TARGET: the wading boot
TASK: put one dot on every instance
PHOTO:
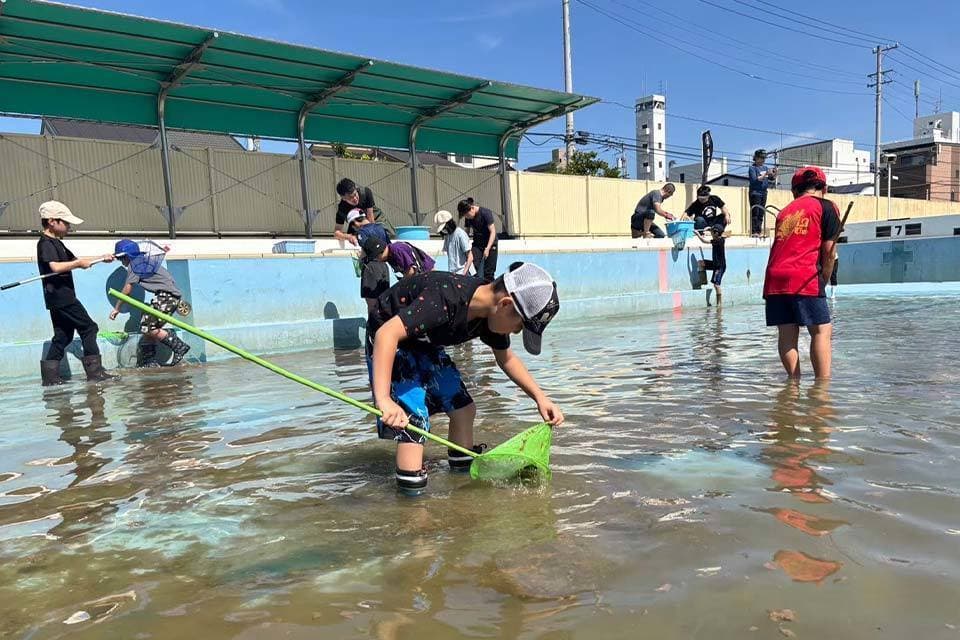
(93, 367)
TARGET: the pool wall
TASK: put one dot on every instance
(270, 302)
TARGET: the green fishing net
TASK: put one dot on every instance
(528, 451)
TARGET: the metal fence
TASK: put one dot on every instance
(117, 187)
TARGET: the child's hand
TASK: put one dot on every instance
(114, 314)
(393, 414)
(550, 412)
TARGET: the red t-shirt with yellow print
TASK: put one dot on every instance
(794, 264)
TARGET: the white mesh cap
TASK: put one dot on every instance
(535, 295)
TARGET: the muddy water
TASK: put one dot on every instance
(693, 493)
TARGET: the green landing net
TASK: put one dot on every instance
(528, 451)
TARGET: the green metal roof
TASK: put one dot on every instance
(61, 60)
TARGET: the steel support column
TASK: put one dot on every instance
(172, 82)
(309, 215)
(515, 130)
(421, 119)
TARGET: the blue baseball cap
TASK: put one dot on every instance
(127, 247)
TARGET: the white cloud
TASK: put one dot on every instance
(488, 41)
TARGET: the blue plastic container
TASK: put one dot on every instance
(413, 233)
(680, 231)
(294, 246)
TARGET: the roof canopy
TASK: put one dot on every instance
(60, 60)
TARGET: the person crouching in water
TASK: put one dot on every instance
(718, 260)
(412, 373)
(166, 299)
(801, 259)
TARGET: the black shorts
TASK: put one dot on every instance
(718, 271)
(805, 311)
(374, 279)
(164, 302)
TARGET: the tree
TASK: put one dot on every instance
(586, 163)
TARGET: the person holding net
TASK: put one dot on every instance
(56, 263)
(412, 374)
(143, 263)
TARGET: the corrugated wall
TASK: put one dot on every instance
(118, 187)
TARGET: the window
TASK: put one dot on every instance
(659, 145)
(660, 164)
(646, 165)
(681, 177)
(726, 182)
(464, 158)
(645, 146)
(956, 174)
(912, 229)
(883, 232)
(659, 126)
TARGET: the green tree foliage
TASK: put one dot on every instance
(586, 163)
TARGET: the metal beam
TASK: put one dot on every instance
(173, 80)
(521, 128)
(454, 102)
(315, 101)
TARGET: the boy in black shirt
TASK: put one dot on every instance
(718, 261)
(411, 372)
(479, 220)
(66, 312)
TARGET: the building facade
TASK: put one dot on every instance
(928, 166)
(693, 172)
(843, 164)
(651, 138)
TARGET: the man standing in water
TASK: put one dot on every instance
(801, 259)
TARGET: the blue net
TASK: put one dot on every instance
(149, 258)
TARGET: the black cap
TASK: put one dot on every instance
(372, 248)
(703, 190)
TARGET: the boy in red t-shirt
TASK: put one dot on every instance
(801, 258)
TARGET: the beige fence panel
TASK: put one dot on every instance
(483, 185)
(553, 205)
(24, 172)
(266, 198)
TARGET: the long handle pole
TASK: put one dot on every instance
(11, 285)
(280, 370)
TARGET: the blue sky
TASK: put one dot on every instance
(701, 52)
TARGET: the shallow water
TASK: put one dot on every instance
(693, 492)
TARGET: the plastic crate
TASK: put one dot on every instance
(294, 246)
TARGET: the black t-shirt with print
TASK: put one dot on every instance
(58, 289)
(481, 227)
(433, 307)
(366, 202)
(696, 207)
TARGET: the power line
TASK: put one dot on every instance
(635, 27)
(805, 21)
(712, 32)
(780, 26)
(872, 38)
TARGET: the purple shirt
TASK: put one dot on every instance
(403, 256)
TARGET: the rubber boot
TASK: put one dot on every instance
(93, 367)
(412, 483)
(177, 346)
(460, 462)
(50, 373)
(148, 355)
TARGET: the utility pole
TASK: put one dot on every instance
(567, 75)
(878, 83)
(916, 98)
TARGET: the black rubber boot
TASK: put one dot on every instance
(93, 367)
(148, 355)
(177, 346)
(50, 373)
(460, 462)
(412, 483)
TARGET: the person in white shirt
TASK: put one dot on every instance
(456, 243)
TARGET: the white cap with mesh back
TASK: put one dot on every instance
(355, 214)
(535, 295)
(53, 210)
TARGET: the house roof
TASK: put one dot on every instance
(73, 62)
(130, 133)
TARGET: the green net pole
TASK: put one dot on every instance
(200, 333)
